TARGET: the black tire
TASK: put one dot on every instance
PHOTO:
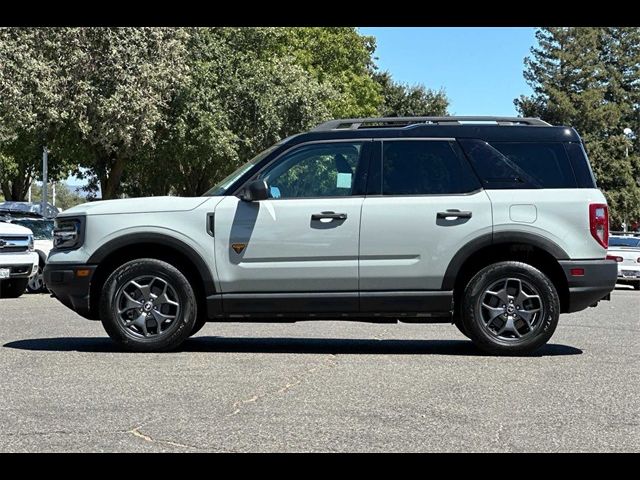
(457, 321)
(201, 321)
(13, 288)
(636, 285)
(180, 327)
(543, 325)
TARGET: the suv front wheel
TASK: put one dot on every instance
(148, 305)
(510, 308)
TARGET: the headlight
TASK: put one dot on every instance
(31, 243)
(68, 233)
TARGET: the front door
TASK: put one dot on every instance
(303, 239)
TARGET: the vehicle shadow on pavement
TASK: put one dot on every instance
(288, 345)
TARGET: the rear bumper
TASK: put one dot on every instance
(72, 290)
(595, 284)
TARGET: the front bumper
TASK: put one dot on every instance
(595, 284)
(20, 265)
(65, 283)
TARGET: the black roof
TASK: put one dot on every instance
(503, 129)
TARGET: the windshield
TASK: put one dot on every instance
(624, 242)
(222, 186)
(42, 229)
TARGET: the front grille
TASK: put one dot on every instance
(13, 249)
(10, 244)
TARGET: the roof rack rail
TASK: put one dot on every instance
(400, 122)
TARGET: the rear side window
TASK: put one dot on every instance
(520, 164)
(425, 167)
(580, 164)
(547, 163)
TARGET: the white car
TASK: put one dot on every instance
(18, 260)
(42, 229)
(626, 251)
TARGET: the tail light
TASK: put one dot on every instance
(614, 258)
(599, 223)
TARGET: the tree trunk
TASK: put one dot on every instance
(111, 182)
(6, 190)
(16, 189)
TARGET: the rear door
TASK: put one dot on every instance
(425, 204)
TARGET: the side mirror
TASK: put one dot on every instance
(255, 191)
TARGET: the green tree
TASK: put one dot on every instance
(65, 197)
(341, 58)
(399, 99)
(99, 94)
(33, 106)
(151, 111)
(239, 99)
(584, 77)
(124, 80)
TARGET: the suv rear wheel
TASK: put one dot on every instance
(510, 308)
(148, 305)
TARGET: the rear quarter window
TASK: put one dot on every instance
(547, 163)
(514, 165)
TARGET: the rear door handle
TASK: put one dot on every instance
(331, 215)
(454, 213)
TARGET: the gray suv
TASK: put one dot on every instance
(493, 224)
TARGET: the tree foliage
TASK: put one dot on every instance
(588, 78)
(152, 111)
(65, 197)
(33, 105)
(409, 100)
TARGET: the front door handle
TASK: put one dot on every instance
(454, 213)
(331, 215)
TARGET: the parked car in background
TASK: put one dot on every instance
(18, 260)
(42, 229)
(625, 250)
(50, 211)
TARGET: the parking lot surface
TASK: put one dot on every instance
(318, 386)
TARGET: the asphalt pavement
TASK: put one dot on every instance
(318, 386)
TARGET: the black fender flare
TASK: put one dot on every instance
(489, 239)
(159, 239)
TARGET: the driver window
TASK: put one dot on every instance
(319, 170)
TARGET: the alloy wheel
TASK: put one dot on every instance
(511, 309)
(147, 306)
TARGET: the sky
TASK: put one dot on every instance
(480, 68)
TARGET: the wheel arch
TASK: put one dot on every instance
(150, 245)
(534, 250)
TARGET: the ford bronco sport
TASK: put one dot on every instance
(493, 224)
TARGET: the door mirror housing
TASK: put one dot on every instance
(255, 191)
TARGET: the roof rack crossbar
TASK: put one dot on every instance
(356, 123)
